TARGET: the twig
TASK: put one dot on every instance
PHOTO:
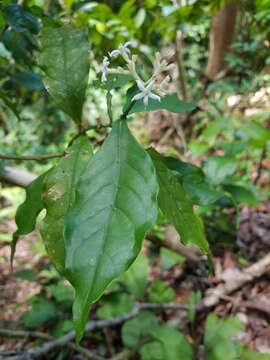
(49, 346)
(84, 130)
(33, 157)
(235, 281)
(40, 335)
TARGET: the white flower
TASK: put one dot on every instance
(105, 68)
(145, 93)
(122, 50)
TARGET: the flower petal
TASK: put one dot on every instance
(137, 97)
(145, 100)
(154, 96)
(114, 53)
(140, 85)
(150, 85)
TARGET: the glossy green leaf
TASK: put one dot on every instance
(135, 279)
(28, 211)
(169, 102)
(64, 57)
(58, 196)
(217, 168)
(176, 206)
(115, 206)
(218, 338)
(134, 330)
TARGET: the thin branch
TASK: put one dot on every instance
(49, 346)
(33, 157)
(84, 130)
(40, 335)
(51, 156)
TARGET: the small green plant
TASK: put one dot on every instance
(99, 206)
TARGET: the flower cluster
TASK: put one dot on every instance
(148, 89)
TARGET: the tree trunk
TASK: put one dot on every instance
(221, 38)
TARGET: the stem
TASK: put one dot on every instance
(180, 65)
(125, 114)
(34, 157)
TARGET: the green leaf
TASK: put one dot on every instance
(256, 131)
(169, 258)
(218, 338)
(169, 102)
(58, 196)
(152, 351)
(28, 211)
(64, 57)
(134, 330)
(135, 279)
(242, 195)
(42, 311)
(173, 345)
(28, 80)
(217, 168)
(114, 81)
(115, 305)
(20, 19)
(115, 206)
(247, 354)
(201, 194)
(63, 294)
(193, 300)
(193, 181)
(8, 102)
(26, 274)
(176, 206)
(161, 293)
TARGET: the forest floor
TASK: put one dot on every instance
(250, 303)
